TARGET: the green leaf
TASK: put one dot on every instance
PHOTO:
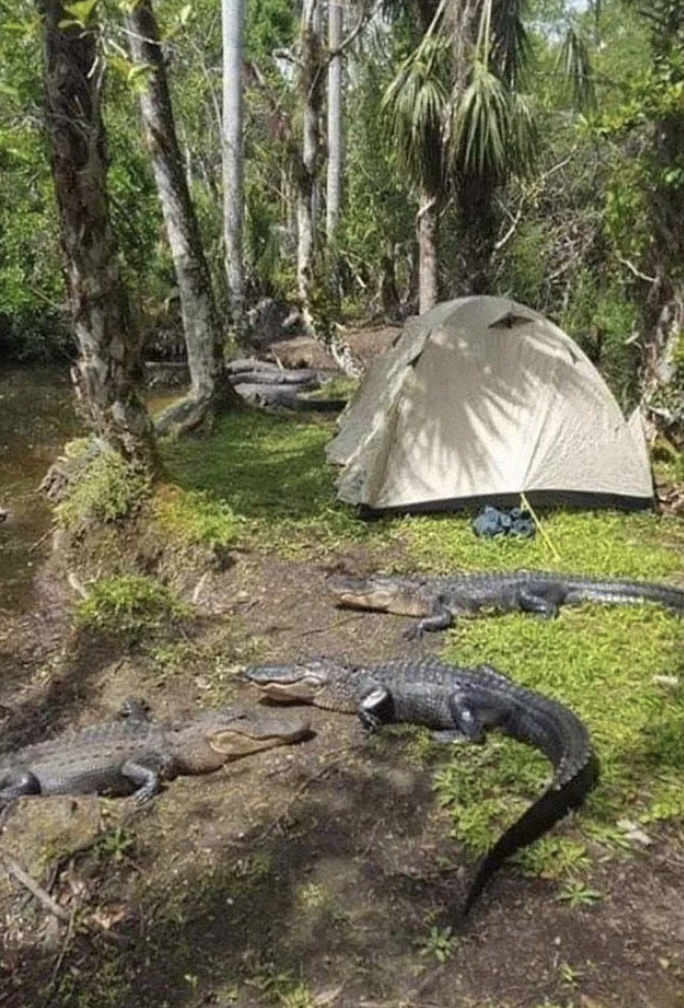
(82, 11)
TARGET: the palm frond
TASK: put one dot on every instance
(575, 64)
(492, 129)
(511, 51)
(480, 124)
(415, 101)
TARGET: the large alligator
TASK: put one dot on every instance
(462, 705)
(439, 600)
(135, 754)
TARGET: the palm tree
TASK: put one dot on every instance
(462, 124)
(416, 102)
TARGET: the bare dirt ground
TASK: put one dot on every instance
(312, 875)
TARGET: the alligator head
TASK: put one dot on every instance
(234, 732)
(322, 682)
(403, 596)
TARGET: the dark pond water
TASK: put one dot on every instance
(37, 417)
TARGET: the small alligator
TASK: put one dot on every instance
(462, 705)
(135, 754)
(438, 600)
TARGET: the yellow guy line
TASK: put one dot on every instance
(542, 531)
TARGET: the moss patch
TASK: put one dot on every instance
(128, 604)
(195, 518)
(105, 489)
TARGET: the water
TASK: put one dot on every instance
(36, 417)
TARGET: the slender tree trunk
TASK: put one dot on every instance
(662, 403)
(428, 249)
(334, 181)
(311, 99)
(209, 387)
(233, 16)
(108, 369)
(431, 193)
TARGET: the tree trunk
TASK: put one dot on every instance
(428, 237)
(209, 387)
(662, 404)
(233, 16)
(311, 98)
(334, 188)
(477, 231)
(108, 369)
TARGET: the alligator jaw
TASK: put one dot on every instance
(399, 596)
(293, 683)
(247, 735)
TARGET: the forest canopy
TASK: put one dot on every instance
(547, 152)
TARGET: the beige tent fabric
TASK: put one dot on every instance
(483, 397)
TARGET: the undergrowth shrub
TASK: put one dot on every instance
(104, 487)
(128, 604)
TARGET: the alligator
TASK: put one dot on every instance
(461, 705)
(135, 754)
(439, 600)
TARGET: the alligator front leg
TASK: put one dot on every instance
(135, 709)
(17, 783)
(441, 618)
(376, 708)
(147, 778)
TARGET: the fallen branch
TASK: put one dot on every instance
(14, 870)
(330, 626)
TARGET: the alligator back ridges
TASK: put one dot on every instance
(578, 586)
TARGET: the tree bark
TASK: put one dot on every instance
(334, 187)
(209, 387)
(109, 367)
(428, 250)
(233, 15)
(310, 87)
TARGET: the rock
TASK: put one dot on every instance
(40, 831)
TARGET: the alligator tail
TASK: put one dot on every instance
(628, 591)
(539, 818)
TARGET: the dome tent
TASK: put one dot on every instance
(482, 399)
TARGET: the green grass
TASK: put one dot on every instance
(269, 474)
(601, 661)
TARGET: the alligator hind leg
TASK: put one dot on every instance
(530, 601)
(468, 727)
(17, 783)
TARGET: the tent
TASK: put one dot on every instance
(479, 400)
